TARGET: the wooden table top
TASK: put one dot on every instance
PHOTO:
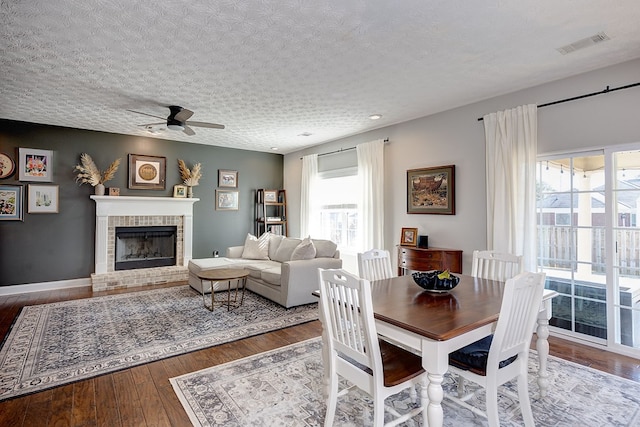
(223, 274)
(473, 303)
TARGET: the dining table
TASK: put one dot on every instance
(435, 324)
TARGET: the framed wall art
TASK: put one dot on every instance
(409, 237)
(7, 166)
(180, 191)
(147, 172)
(227, 178)
(35, 165)
(11, 202)
(226, 200)
(270, 196)
(431, 190)
(43, 199)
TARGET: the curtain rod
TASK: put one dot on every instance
(607, 90)
(342, 149)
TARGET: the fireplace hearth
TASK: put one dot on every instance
(130, 213)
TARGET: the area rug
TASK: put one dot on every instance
(283, 387)
(54, 344)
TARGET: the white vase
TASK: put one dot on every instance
(99, 189)
(190, 191)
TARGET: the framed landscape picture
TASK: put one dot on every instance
(227, 178)
(43, 199)
(11, 202)
(35, 165)
(226, 200)
(431, 190)
(147, 172)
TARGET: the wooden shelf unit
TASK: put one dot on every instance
(426, 259)
(271, 212)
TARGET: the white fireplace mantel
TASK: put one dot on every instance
(109, 206)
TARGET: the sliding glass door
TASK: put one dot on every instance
(589, 244)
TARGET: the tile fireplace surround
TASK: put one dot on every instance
(127, 211)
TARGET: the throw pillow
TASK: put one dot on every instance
(286, 248)
(305, 250)
(274, 244)
(256, 248)
(324, 248)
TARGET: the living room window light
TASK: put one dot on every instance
(337, 200)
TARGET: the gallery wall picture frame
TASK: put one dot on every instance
(180, 191)
(227, 178)
(42, 199)
(227, 200)
(11, 202)
(147, 172)
(7, 166)
(431, 190)
(35, 165)
(409, 237)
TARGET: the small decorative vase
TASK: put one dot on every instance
(190, 191)
(99, 190)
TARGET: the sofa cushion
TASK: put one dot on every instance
(304, 250)
(274, 244)
(256, 248)
(271, 275)
(287, 246)
(325, 248)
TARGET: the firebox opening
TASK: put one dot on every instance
(145, 247)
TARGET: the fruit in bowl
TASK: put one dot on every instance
(436, 281)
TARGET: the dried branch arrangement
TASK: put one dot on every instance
(191, 177)
(88, 172)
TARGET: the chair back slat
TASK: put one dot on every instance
(348, 314)
(518, 313)
(375, 264)
(494, 265)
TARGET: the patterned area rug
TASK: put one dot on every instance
(283, 387)
(54, 344)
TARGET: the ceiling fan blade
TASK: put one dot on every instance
(145, 114)
(183, 115)
(206, 125)
(188, 130)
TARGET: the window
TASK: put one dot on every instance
(337, 201)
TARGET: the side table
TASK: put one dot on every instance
(239, 275)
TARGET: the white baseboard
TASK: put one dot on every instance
(45, 286)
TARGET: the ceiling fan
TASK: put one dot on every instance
(179, 120)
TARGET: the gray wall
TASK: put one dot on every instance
(456, 137)
(56, 247)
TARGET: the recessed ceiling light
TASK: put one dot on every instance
(375, 116)
(305, 134)
(274, 148)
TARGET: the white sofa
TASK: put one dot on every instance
(282, 269)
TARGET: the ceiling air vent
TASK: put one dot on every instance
(586, 42)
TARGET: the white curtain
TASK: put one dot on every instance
(308, 210)
(371, 204)
(511, 148)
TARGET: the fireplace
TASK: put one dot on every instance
(133, 266)
(145, 247)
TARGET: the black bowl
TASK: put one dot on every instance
(429, 281)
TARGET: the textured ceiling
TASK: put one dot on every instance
(273, 70)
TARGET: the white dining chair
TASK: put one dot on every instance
(503, 356)
(375, 264)
(355, 353)
(494, 265)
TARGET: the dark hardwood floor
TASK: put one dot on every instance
(143, 396)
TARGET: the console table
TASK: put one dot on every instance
(426, 259)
